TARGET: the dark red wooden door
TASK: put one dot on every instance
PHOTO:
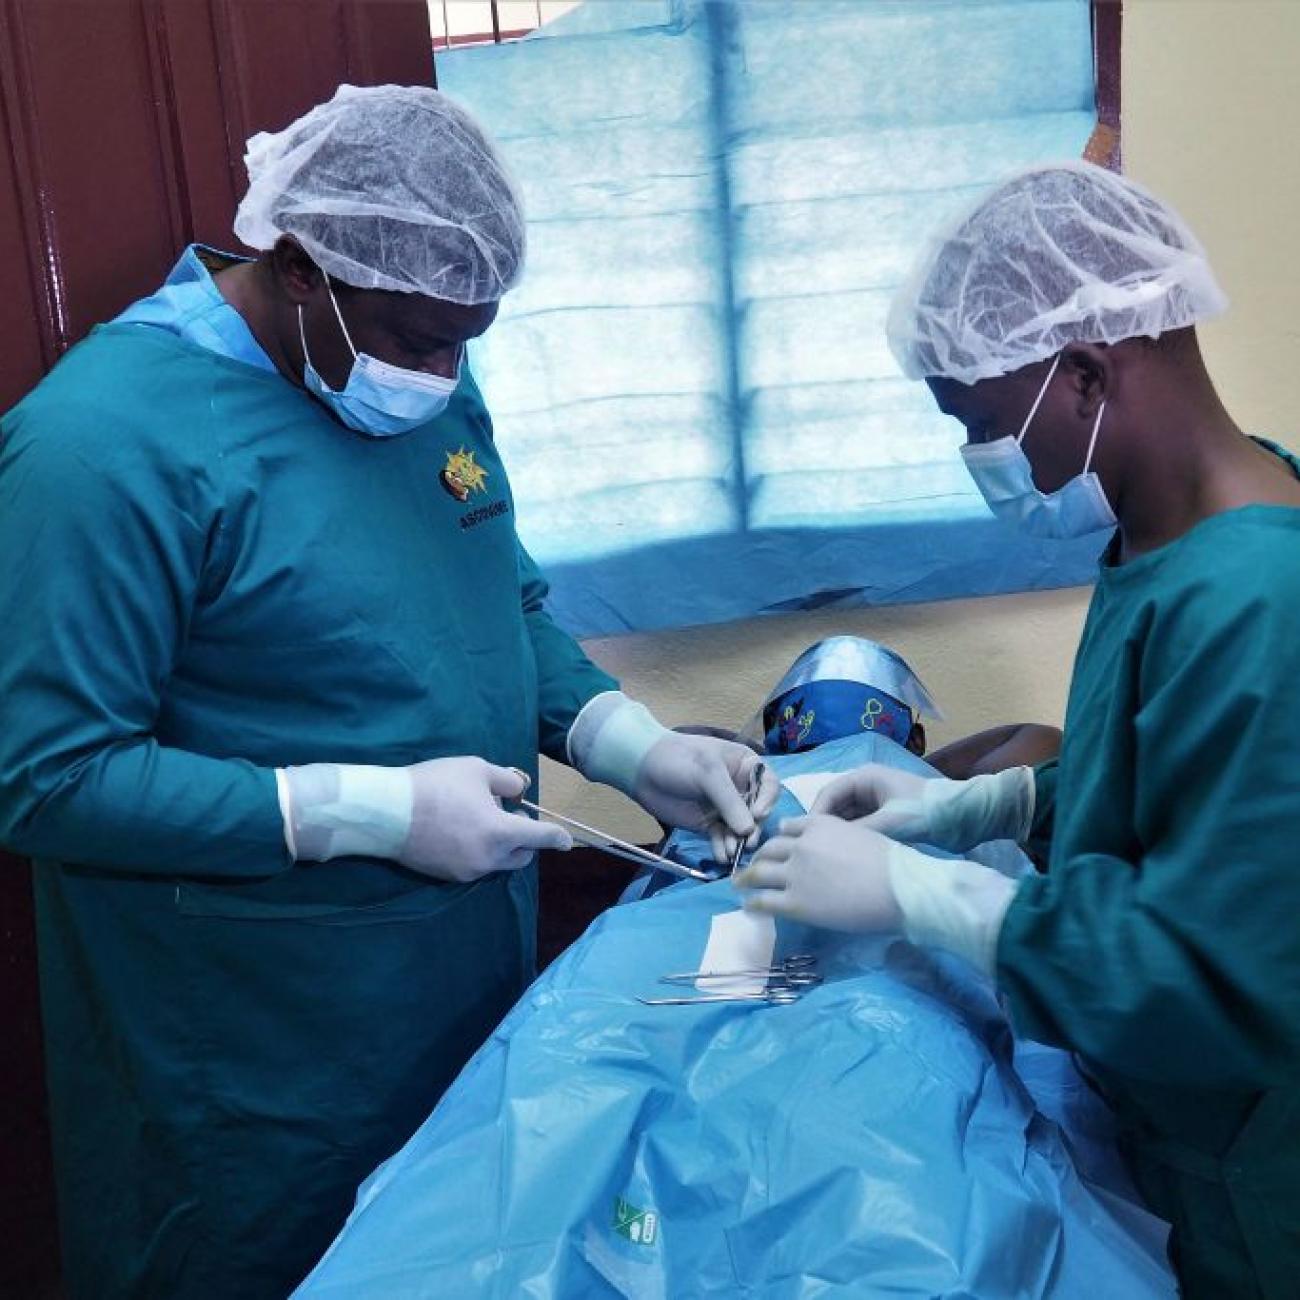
(122, 129)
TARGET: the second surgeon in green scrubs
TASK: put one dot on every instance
(275, 661)
(1055, 322)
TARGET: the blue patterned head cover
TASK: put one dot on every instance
(839, 687)
(811, 715)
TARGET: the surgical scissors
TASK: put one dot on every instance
(799, 963)
(612, 845)
(779, 997)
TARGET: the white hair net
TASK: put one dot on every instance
(389, 187)
(1069, 253)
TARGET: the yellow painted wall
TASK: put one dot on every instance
(1211, 120)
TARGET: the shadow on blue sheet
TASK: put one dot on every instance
(870, 1140)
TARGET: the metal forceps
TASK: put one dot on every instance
(799, 969)
(751, 793)
(612, 845)
(778, 997)
(796, 979)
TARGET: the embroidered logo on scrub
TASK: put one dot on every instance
(483, 514)
(639, 1226)
(463, 475)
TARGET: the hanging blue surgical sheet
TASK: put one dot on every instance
(692, 386)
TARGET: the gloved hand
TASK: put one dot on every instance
(826, 872)
(442, 817)
(952, 815)
(844, 876)
(695, 782)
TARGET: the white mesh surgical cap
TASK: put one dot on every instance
(389, 187)
(1069, 253)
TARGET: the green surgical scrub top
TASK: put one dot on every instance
(207, 577)
(1163, 943)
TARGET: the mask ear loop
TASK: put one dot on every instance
(302, 338)
(1038, 401)
(347, 338)
(356, 356)
(1093, 441)
(302, 333)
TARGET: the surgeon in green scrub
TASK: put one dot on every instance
(1056, 321)
(275, 668)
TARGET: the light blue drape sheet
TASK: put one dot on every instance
(691, 386)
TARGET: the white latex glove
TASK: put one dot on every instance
(696, 782)
(442, 818)
(844, 876)
(952, 815)
(827, 872)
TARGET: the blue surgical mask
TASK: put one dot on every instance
(379, 400)
(1005, 478)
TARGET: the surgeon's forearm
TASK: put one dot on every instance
(566, 682)
(144, 808)
(1165, 987)
(566, 679)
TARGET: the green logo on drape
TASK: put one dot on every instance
(637, 1225)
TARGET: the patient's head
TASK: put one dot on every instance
(843, 686)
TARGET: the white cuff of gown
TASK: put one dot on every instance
(610, 738)
(334, 810)
(997, 806)
(951, 904)
(286, 811)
